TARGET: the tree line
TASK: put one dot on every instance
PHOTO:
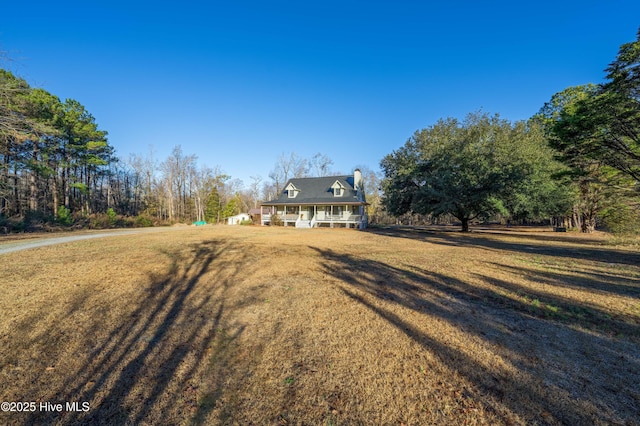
(57, 167)
(53, 156)
(576, 163)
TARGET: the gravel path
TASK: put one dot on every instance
(12, 246)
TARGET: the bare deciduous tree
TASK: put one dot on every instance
(320, 165)
(287, 167)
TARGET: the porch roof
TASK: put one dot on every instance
(319, 202)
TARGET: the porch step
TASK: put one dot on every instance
(303, 224)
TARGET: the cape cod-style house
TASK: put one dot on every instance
(329, 201)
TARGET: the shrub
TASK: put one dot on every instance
(100, 221)
(276, 220)
(143, 221)
(622, 219)
(36, 221)
(64, 216)
(113, 217)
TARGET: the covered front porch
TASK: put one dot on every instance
(314, 216)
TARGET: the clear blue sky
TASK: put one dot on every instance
(239, 83)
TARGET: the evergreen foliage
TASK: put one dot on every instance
(212, 213)
(52, 153)
(595, 130)
(472, 170)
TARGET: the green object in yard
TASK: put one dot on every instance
(200, 223)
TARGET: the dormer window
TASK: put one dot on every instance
(338, 189)
(292, 191)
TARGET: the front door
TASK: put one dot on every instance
(306, 213)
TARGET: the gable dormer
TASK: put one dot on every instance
(338, 189)
(291, 190)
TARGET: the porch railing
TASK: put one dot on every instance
(318, 218)
(338, 218)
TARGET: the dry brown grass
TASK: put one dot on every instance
(251, 325)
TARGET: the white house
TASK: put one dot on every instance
(328, 201)
(235, 220)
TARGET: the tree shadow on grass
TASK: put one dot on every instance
(148, 366)
(592, 279)
(559, 374)
(550, 245)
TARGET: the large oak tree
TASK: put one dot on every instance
(468, 169)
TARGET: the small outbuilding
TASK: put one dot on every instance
(256, 214)
(237, 219)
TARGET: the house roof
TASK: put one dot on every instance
(259, 210)
(319, 190)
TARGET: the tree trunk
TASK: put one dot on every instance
(54, 192)
(465, 224)
(33, 195)
(588, 223)
(5, 205)
(16, 191)
(33, 187)
(66, 190)
(577, 223)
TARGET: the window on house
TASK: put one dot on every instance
(338, 189)
(292, 191)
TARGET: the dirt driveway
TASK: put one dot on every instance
(30, 243)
